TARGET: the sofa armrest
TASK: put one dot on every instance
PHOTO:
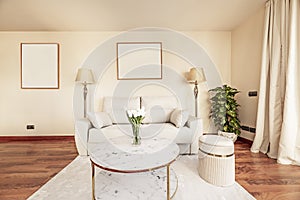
(196, 126)
(82, 127)
(192, 122)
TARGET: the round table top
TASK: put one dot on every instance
(216, 140)
(127, 158)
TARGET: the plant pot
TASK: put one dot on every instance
(231, 136)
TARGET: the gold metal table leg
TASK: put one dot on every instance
(168, 182)
(93, 182)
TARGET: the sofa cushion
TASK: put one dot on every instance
(158, 109)
(181, 135)
(99, 119)
(117, 134)
(179, 117)
(116, 108)
(160, 130)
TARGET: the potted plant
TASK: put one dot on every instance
(224, 111)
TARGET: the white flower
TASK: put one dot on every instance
(135, 113)
(129, 113)
(142, 112)
(136, 116)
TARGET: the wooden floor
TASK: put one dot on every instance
(26, 165)
(263, 177)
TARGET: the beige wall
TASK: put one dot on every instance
(51, 111)
(220, 41)
(246, 63)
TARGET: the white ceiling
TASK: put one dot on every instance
(120, 15)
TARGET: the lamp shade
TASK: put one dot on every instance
(85, 75)
(196, 75)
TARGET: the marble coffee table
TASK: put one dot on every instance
(134, 172)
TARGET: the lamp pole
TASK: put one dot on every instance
(85, 76)
(85, 91)
(196, 97)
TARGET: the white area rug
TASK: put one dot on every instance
(74, 182)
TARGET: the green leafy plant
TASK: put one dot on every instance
(224, 109)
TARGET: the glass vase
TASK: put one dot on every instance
(136, 134)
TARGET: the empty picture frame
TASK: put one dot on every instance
(39, 65)
(139, 60)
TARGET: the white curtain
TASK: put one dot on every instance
(278, 116)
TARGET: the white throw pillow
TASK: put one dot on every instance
(99, 119)
(179, 117)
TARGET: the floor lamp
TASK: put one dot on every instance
(85, 77)
(196, 76)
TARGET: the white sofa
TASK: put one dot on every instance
(164, 119)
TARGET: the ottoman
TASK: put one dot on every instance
(216, 160)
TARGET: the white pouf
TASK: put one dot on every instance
(216, 160)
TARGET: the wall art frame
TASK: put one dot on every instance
(40, 65)
(139, 61)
